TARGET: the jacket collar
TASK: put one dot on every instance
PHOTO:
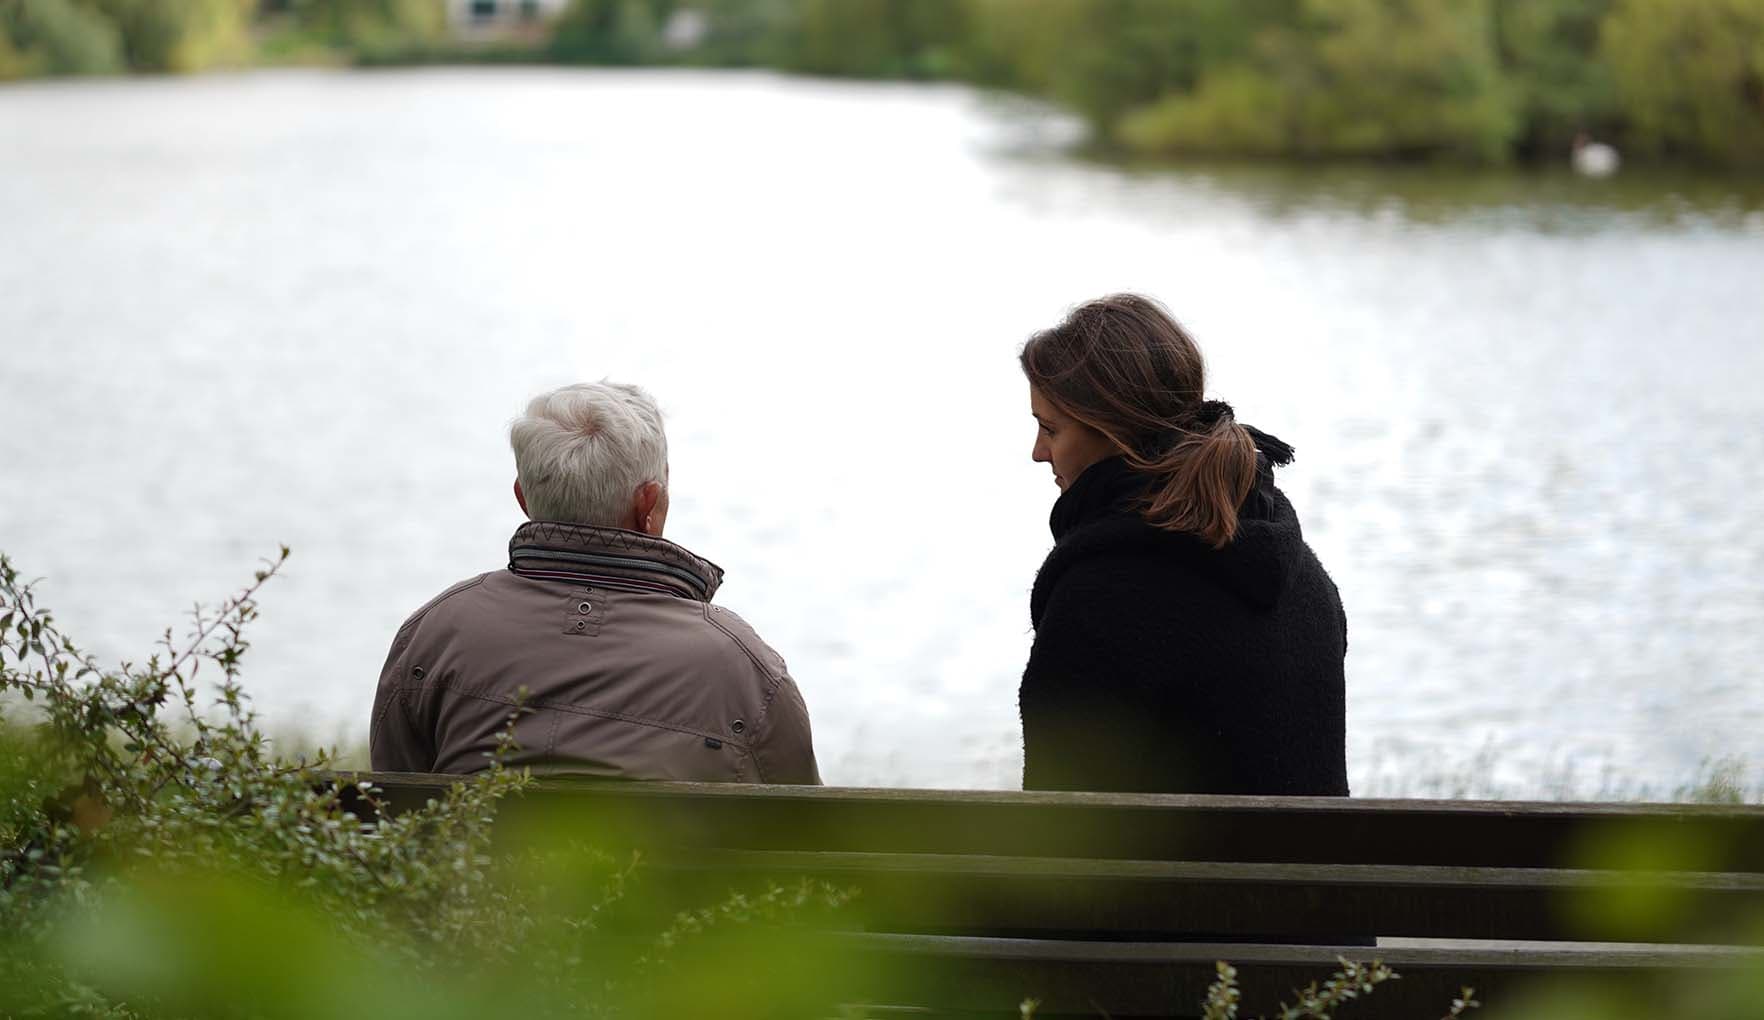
(612, 557)
(1097, 513)
(1103, 488)
(1110, 486)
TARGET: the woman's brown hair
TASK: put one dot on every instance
(1124, 367)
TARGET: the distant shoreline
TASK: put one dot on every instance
(1421, 81)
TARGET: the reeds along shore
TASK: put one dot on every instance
(1482, 81)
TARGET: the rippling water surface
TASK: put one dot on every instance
(302, 308)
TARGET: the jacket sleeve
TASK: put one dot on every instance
(396, 740)
(783, 745)
(1066, 732)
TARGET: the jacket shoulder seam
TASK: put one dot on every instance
(772, 678)
(598, 713)
(429, 606)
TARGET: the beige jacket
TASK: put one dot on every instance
(628, 669)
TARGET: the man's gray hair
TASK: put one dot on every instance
(582, 452)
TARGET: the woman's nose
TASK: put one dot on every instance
(1039, 454)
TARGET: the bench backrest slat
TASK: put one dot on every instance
(1139, 827)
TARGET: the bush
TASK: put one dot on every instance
(105, 36)
(1108, 59)
(158, 857)
(1346, 78)
(1550, 53)
(1690, 77)
(877, 38)
(181, 35)
(612, 32)
(13, 64)
(1236, 111)
(369, 30)
(60, 37)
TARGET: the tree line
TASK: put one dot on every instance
(1479, 80)
(68, 37)
(1471, 80)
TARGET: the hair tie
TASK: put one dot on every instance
(1207, 415)
(1200, 419)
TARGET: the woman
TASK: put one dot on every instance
(1186, 638)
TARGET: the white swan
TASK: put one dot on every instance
(1594, 159)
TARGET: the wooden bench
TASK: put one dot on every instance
(1119, 905)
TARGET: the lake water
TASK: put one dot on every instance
(302, 307)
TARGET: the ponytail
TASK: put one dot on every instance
(1201, 481)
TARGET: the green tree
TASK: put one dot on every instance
(1406, 76)
(373, 28)
(1349, 78)
(1550, 51)
(1690, 77)
(616, 32)
(1013, 47)
(181, 35)
(13, 64)
(61, 37)
(1108, 59)
(744, 33)
(877, 38)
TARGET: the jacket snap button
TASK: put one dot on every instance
(737, 726)
(585, 609)
(417, 673)
(581, 624)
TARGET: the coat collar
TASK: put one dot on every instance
(1109, 486)
(613, 557)
(1106, 487)
(1097, 514)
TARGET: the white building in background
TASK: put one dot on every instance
(497, 17)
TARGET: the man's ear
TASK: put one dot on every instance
(643, 508)
(521, 497)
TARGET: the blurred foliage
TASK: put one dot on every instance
(1470, 80)
(850, 38)
(180, 35)
(1690, 76)
(878, 38)
(1560, 83)
(104, 36)
(108, 36)
(158, 858)
(613, 32)
(1354, 981)
(59, 37)
(1345, 78)
(367, 30)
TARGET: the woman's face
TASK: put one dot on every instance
(1064, 442)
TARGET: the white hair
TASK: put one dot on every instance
(582, 452)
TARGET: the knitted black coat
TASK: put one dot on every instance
(1163, 665)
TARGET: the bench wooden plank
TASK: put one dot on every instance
(1162, 899)
(983, 976)
(1128, 826)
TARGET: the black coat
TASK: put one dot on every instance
(1163, 665)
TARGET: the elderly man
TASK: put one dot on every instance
(627, 667)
